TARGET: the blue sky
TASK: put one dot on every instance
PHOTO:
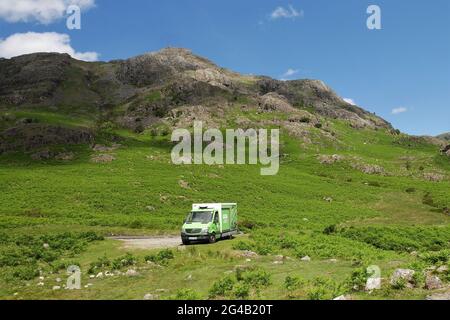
(403, 67)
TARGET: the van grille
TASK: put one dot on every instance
(193, 231)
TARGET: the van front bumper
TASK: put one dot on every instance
(196, 237)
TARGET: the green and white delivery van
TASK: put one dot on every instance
(210, 222)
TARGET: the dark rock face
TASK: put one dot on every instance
(32, 136)
(31, 78)
(178, 77)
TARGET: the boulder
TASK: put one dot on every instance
(373, 284)
(131, 273)
(150, 296)
(439, 296)
(103, 158)
(306, 259)
(432, 282)
(403, 275)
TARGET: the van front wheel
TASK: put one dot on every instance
(212, 238)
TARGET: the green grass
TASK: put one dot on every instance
(375, 220)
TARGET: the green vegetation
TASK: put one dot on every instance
(56, 213)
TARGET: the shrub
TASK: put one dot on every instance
(255, 277)
(185, 294)
(358, 279)
(330, 229)
(243, 245)
(428, 200)
(101, 263)
(162, 257)
(324, 289)
(28, 272)
(399, 284)
(222, 287)
(124, 261)
(241, 291)
(292, 283)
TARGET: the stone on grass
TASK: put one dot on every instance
(306, 259)
(432, 282)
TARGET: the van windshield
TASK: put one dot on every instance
(199, 216)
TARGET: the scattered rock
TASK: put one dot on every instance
(279, 257)
(150, 208)
(56, 288)
(41, 278)
(439, 296)
(131, 273)
(58, 280)
(306, 259)
(432, 282)
(91, 276)
(42, 155)
(328, 199)
(46, 245)
(40, 284)
(373, 284)
(103, 158)
(248, 254)
(327, 159)
(442, 269)
(101, 148)
(99, 275)
(183, 184)
(343, 297)
(65, 156)
(189, 277)
(403, 274)
(433, 177)
(150, 296)
(368, 168)
(278, 262)
(333, 260)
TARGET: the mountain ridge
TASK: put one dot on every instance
(175, 76)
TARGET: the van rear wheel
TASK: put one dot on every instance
(212, 238)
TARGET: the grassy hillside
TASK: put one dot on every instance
(382, 201)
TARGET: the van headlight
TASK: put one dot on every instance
(205, 230)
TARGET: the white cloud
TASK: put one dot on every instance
(399, 110)
(290, 72)
(43, 11)
(287, 13)
(31, 42)
(350, 101)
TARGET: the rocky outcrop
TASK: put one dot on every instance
(33, 136)
(149, 86)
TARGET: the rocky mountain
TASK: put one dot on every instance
(165, 89)
(444, 136)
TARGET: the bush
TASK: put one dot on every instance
(243, 245)
(292, 283)
(26, 272)
(99, 264)
(185, 294)
(358, 279)
(162, 257)
(241, 291)
(124, 261)
(324, 289)
(255, 277)
(330, 230)
(222, 287)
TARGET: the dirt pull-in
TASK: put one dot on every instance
(149, 242)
